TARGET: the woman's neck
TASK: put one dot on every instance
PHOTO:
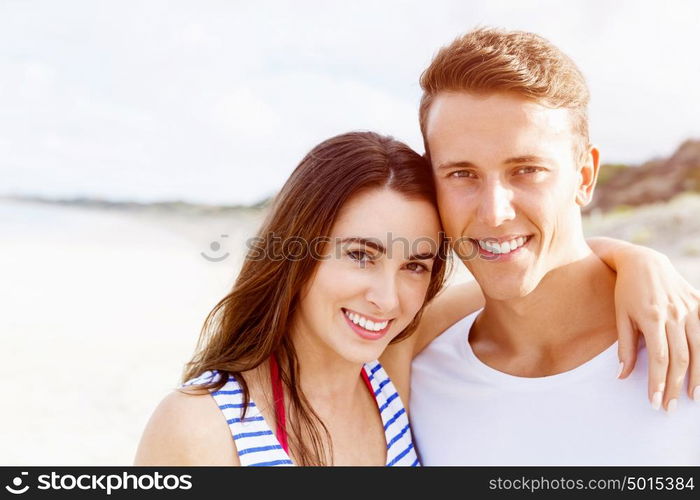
(328, 381)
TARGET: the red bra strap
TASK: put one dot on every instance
(278, 396)
(365, 378)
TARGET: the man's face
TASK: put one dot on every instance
(508, 187)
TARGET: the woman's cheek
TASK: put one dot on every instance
(413, 297)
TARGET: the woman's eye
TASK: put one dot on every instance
(417, 267)
(359, 256)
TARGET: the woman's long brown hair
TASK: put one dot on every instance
(252, 322)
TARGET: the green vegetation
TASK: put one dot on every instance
(622, 209)
(642, 236)
(608, 171)
(694, 179)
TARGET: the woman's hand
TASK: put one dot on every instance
(651, 298)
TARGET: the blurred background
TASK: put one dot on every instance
(139, 142)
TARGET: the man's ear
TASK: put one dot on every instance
(588, 175)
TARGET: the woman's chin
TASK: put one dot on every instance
(361, 354)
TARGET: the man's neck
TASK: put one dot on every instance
(567, 320)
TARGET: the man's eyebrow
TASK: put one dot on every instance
(516, 160)
(364, 241)
(456, 164)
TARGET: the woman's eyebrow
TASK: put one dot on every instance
(423, 256)
(370, 242)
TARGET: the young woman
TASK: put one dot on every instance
(285, 371)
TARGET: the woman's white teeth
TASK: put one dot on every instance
(366, 323)
(501, 248)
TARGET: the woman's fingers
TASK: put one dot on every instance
(692, 330)
(678, 362)
(658, 303)
(658, 352)
(628, 340)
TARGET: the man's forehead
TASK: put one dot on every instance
(462, 122)
(494, 110)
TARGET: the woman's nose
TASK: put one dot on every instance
(383, 293)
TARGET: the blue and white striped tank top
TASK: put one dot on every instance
(258, 446)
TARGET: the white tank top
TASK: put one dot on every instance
(464, 412)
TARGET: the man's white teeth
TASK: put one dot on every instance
(501, 248)
(365, 323)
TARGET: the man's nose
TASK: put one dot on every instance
(383, 294)
(496, 204)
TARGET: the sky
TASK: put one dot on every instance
(217, 101)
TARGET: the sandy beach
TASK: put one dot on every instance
(101, 309)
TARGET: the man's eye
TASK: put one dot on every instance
(463, 174)
(527, 170)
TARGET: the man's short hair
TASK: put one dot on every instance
(489, 60)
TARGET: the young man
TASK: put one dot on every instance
(527, 380)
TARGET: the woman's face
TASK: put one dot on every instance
(372, 278)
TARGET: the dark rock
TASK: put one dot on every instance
(654, 181)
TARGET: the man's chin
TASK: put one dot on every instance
(506, 289)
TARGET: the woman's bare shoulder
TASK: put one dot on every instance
(187, 429)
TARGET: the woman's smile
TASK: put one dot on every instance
(366, 327)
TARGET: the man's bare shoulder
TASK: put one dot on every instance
(187, 428)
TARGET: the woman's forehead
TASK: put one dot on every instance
(382, 213)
